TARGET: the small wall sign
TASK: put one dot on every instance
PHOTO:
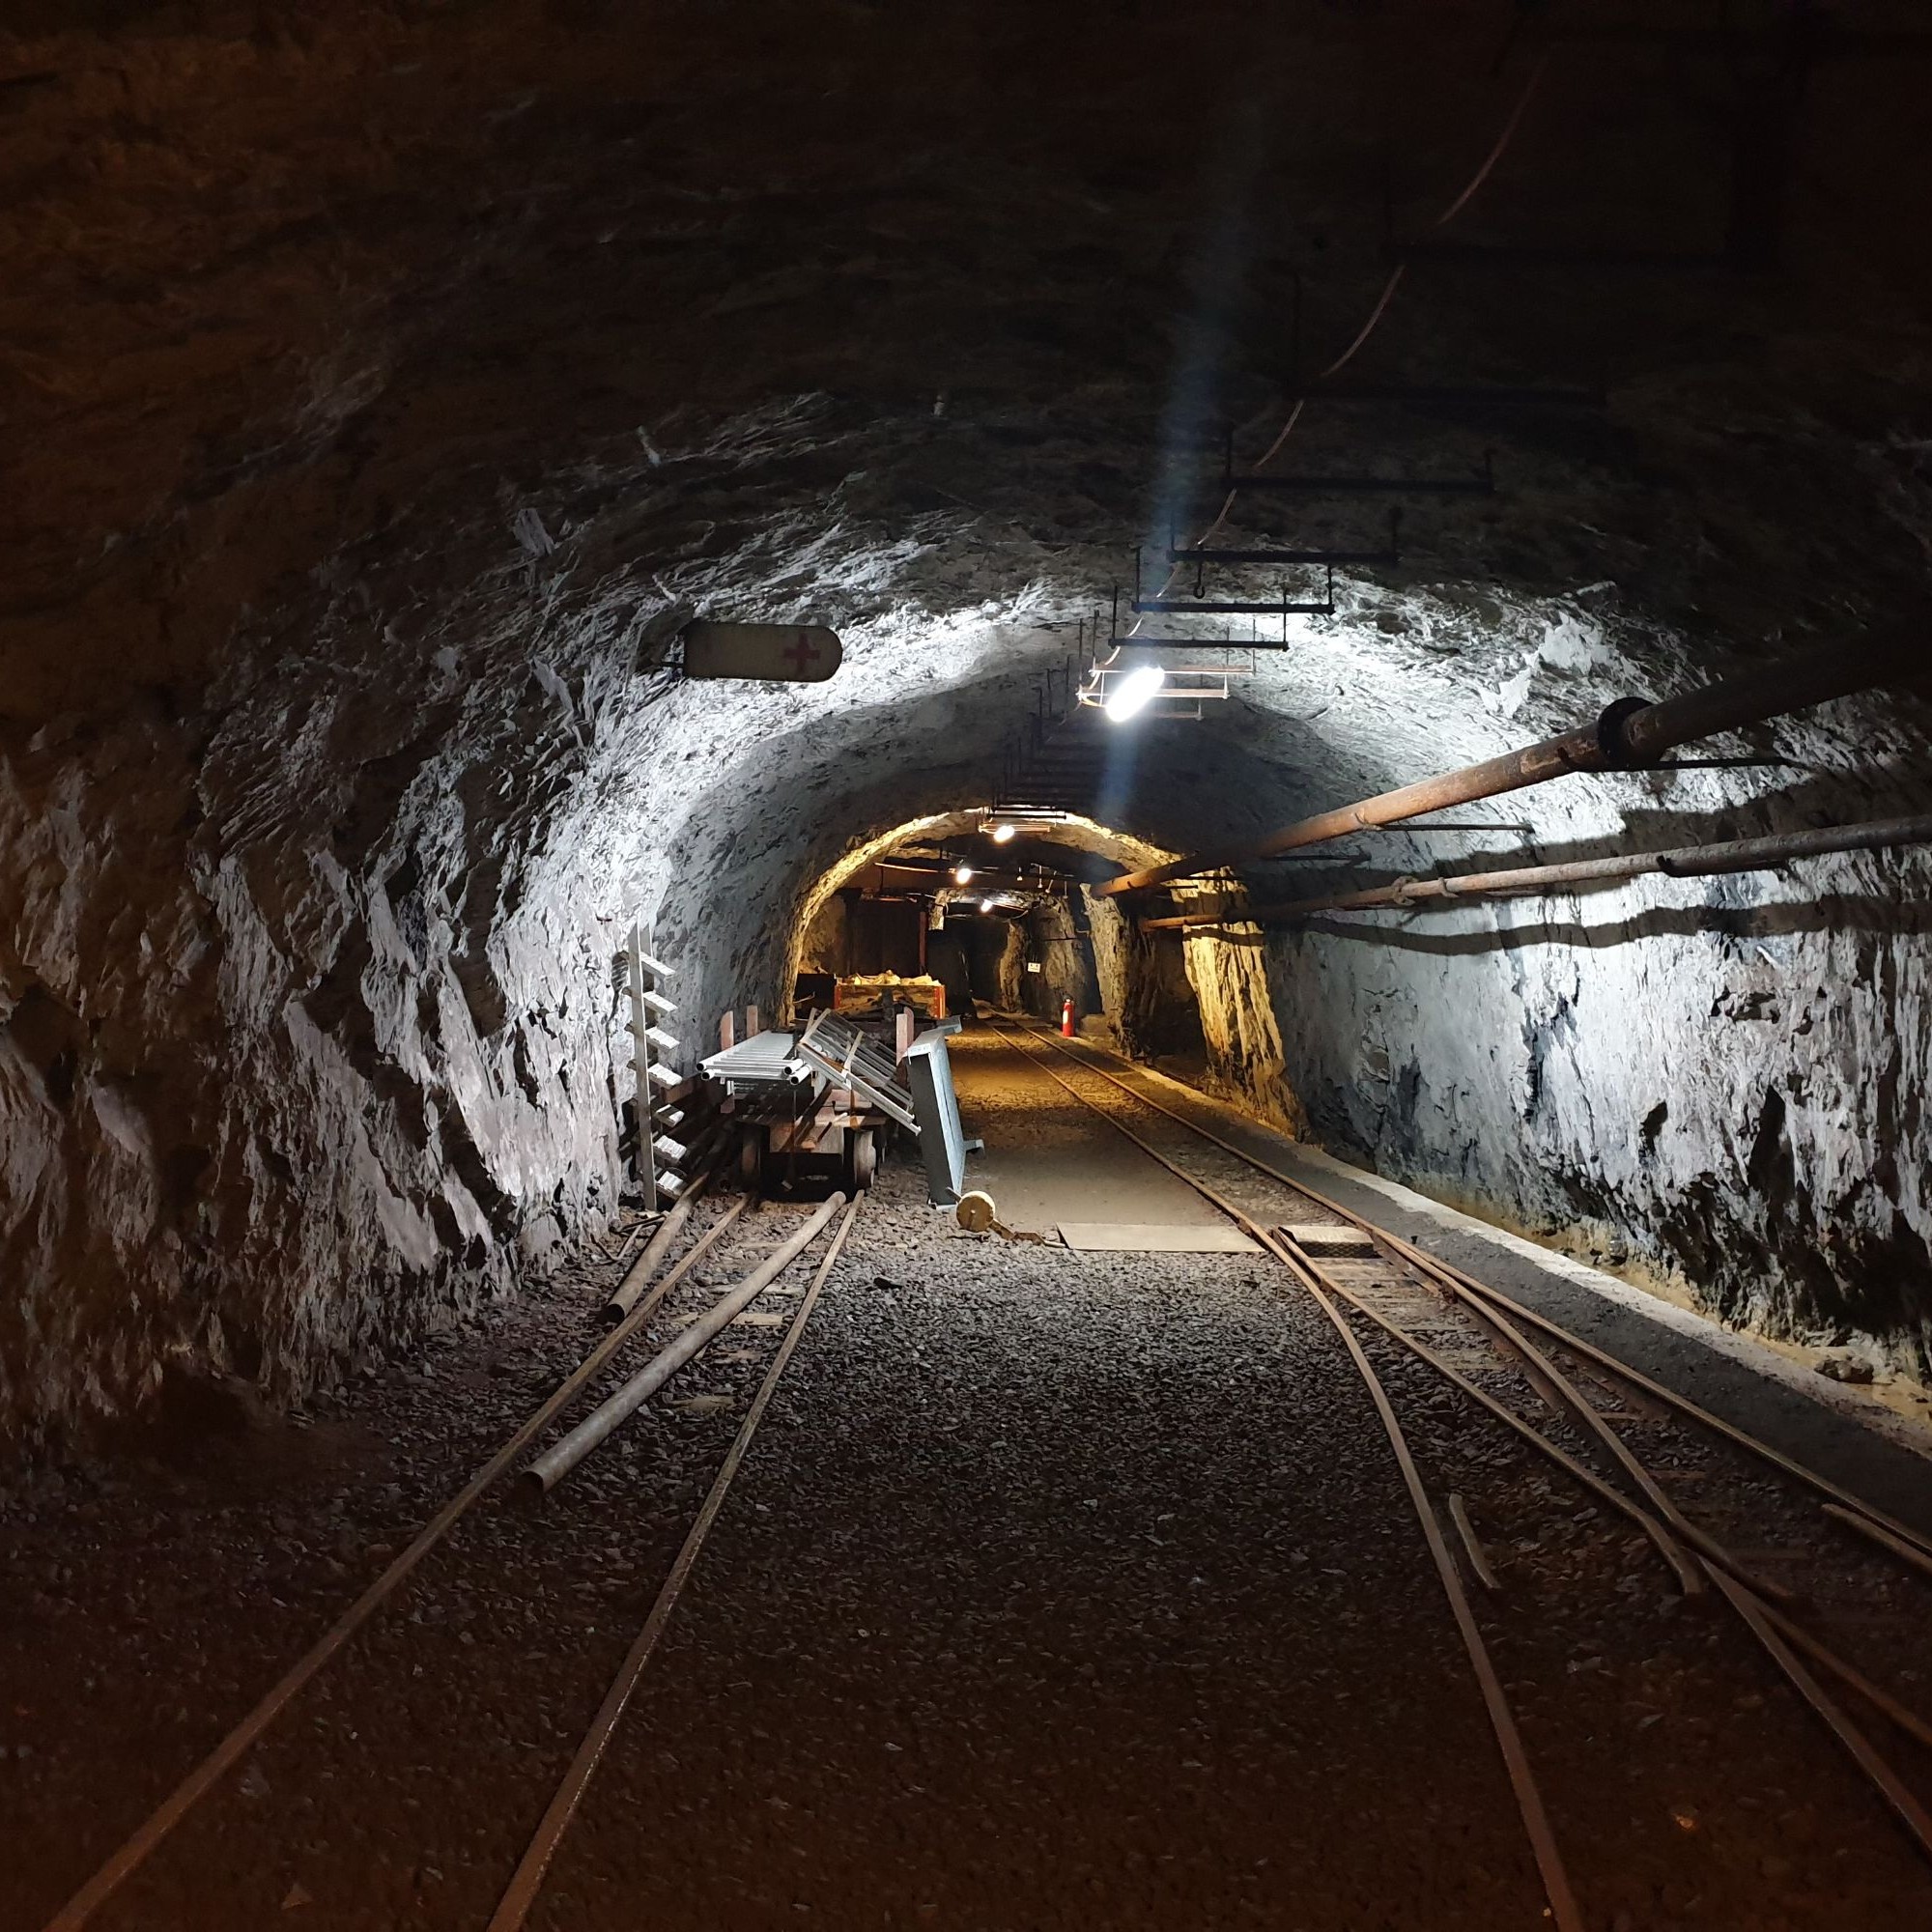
(773, 653)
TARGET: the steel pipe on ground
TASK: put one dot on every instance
(1682, 862)
(1628, 736)
(555, 1463)
(134, 1851)
(625, 1294)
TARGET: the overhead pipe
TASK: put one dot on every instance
(1682, 862)
(557, 1463)
(1631, 735)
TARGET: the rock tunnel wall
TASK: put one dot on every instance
(1057, 937)
(1713, 1084)
(997, 949)
(1145, 989)
(386, 384)
(296, 1067)
(311, 1027)
(1694, 1083)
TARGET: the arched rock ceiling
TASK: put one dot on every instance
(860, 307)
(386, 389)
(383, 385)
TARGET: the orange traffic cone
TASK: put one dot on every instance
(1067, 1019)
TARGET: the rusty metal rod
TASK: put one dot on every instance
(1682, 862)
(1630, 735)
(1472, 1543)
(623, 1297)
(1905, 1551)
(556, 1461)
(1681, 1405)
(1568, 1396)
(134, 1850)
(521, 1895)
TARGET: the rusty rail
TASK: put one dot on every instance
(1435, 1264)
(134, 1850)
(1629, 735)
(1563, 1910)
(563, 1456)
(1779, 1635)
(513, 1909)
(624, 1296)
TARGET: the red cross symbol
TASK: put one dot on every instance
(804, 654)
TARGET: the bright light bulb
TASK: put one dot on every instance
(1132, 694)
(962, 875)
(1002, 832)
(986, 905)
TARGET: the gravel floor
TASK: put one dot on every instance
(1058, 1589)
(1030, 1611)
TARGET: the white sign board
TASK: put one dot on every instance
(784, 653)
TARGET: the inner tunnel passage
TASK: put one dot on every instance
(1313, 615)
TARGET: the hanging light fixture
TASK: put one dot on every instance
(1000, 834)
(962, 875)
(1131, 694)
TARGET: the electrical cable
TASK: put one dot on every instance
(1381, 308)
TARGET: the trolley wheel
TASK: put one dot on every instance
(862, 1157)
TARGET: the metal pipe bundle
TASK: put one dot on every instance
(1628, 736)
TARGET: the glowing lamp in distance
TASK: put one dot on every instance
(1000, 834)
(962, 875)
(1132, 694)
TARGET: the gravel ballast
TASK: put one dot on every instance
(1058, 1589)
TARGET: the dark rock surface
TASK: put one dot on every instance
(384, 384)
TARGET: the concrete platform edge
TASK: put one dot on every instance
(1828, 1427)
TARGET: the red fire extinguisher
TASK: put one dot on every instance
(1067, 1019)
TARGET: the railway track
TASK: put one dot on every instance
(648, 1310)
(1684, 1481)
(1501, 1426)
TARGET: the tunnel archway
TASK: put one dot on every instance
(342, 736)
(994, 905)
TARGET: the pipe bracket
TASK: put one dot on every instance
(1619, 756)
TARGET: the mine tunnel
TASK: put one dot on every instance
(965, 966)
